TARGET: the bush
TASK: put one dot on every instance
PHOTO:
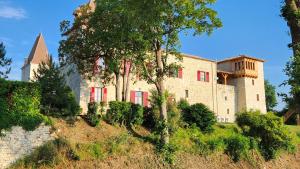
(20, 105)
(238, 147)
(268, 130)
(152, 115)
(48, 154)
(183, 105)
(201, 116)
(92, 115)
(125, 113)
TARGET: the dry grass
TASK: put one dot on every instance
(113, 147)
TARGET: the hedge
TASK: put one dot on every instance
(20, 105)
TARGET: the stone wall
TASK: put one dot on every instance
(17, 143)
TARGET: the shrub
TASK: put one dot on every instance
(20, 105)
(152, 115)
(92, 115)
(238, 147)
(125, 113)
(183, 105)
(268, 130)
(201, 116)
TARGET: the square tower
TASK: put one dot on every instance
(247, 75)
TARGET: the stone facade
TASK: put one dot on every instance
(17, 143)
(226, 87)
(238, 94)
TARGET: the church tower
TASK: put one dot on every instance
(39, 53)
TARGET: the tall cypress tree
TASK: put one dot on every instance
(57, 99)
(4, 62)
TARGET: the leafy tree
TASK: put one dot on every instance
(290, 12)
(57, 98)
(158, 25)
(140, 29)
(96, 35)
(4, 62)
(270, 91)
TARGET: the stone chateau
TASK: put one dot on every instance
(226, 86)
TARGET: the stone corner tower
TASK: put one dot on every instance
(39, 53)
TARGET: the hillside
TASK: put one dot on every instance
(108, 146)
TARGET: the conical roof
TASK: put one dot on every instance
(39, 52)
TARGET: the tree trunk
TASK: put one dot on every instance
(161, 91)
(293, 22)
(124, 80)
(127, 88)
(118, 87)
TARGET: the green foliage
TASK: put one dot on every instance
(58, 100)
(238, 147)
(4, 62)
(183, 105)
(270, 91)
(269, 131)
(201, 116)
(20, 105)
(125, 113)
(167, 152)
(152, 115)
(93, 116)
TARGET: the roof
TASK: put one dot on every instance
(196, 57)
(226, 72)
(39, 51)
(240, 57)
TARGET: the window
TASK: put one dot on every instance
(239, 65)
(176, 73)
(139, 98)
(98, 95)
(228, 111)
(203, 76)
(253, 82)
(226, 120)
(225, 98)
(257, 97)
(186, 94)
(253, 66)
(236, 66)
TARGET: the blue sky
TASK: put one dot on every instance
(252, 27)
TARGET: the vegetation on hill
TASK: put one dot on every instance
(20, 105)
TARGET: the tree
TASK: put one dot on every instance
(57, 99)
(4, 62)
(99, 35)
(159, 24)
(270, 91)
(290, 12)
(145, 31)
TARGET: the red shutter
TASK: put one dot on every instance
(92, 95)
(207, 77)
(132, 96)
(180, 73)
(145, 99)
(104, 96)
(199, 75)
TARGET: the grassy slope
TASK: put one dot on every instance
(108, 146)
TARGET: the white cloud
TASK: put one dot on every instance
(9, 12)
